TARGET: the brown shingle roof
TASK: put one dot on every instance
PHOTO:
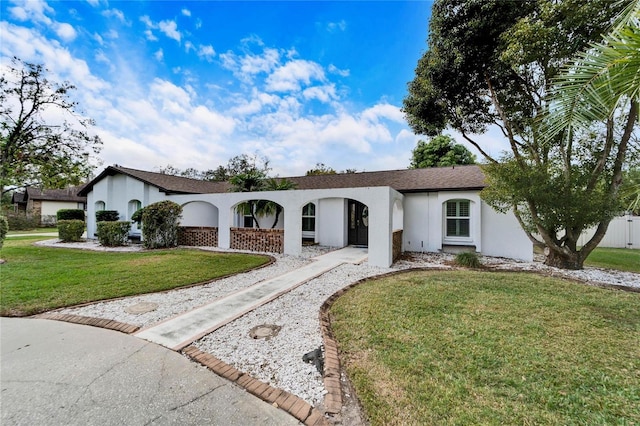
(67, 194)
(166, 183)
(410, 180)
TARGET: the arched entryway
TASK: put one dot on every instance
(358, 223)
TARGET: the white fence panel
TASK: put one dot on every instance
(623, 232)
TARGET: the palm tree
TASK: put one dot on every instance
(265, 207)
(250, 181)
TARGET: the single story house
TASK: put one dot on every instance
(416, 210)
(45, 203)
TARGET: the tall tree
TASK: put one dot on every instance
(34, 148)
(493, 63)
(321, 169)
(439, 152)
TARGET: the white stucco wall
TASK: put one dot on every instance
(199, 213)
(492, 233)
(417, 219)
(503, 236)
(331, 229)
(116, 192)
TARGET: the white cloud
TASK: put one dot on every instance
(206, 52)
(383, 111)
(149, 35)
(94, 3)
(333, 27)
(147, 21)
(170, 29)
(188, 46)
(186, 12)
(65, 31)
(159, 55)
(34, 10)
(324, 93)
(247, 66)
(293, 74)
(114, 13)
(335, 70)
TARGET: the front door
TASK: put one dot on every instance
(358, 223)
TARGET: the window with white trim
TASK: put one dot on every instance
(458, 221)
(309, 218)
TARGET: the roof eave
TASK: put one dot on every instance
(457, 189)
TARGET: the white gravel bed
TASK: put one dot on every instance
(278, 360)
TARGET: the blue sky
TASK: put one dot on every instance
(193, 84)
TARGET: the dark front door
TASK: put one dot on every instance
(358, 223)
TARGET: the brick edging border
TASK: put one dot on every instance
(332, 371)
(286, 401)
(94, 322)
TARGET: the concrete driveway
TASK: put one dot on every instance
(56, 373)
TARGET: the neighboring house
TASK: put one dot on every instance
(45, 203)
(417, 210)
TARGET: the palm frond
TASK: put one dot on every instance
(593, 86)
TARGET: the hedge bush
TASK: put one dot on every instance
(160, 224)
(137, 216)
(113, 234)
(20, 221)
(70, 214)
(70, 230)
(107, 216)
(4, 228)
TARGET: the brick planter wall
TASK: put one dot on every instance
(199, 236)
(397, 244)
(251, 239)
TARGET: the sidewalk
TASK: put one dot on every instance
(180, 331)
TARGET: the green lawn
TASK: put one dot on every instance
(33, 231)
(462, 347)
(37, 279)
(621, 259)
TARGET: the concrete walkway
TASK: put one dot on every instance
(180, 331)
(56, 373)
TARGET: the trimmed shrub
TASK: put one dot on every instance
(70, 230)
(4, 228)
(137, 216)
(21, 221)
(468, 260)
(160, 224)
(113, 234)
(70, 214)
(107, 216)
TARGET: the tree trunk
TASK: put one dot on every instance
(563, 260)
(278, 211)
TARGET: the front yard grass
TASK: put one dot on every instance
(462, 347)
(36, 279)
